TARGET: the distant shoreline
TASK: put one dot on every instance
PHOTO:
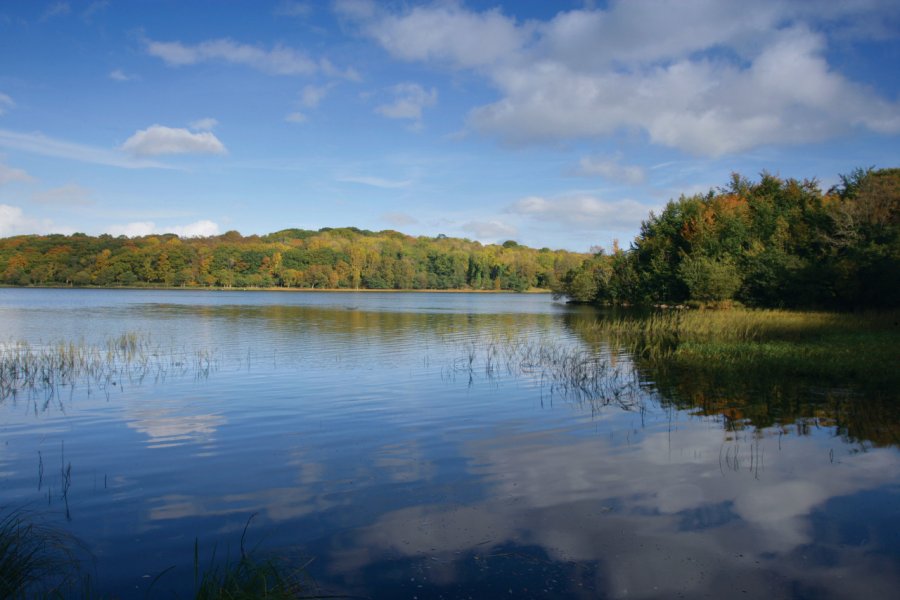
(273, 289)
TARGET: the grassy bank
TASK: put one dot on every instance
(835, 346)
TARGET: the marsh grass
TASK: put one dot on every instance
(130, 358)
(562, 370)
(860, 347)
(247, 578)
(38, 560)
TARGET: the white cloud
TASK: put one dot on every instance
(490, 231)
(641, 32)
(135, 229)
(280, 60)
(612, 170)
(312, 95)
(582, 212)
(355, 9)
(329, 69)
(158, 139)
(379, 182)
(38, 143)
(206, 124)
(12, 174)
(93, 8)
(6, 103)
(120, 75)
(13, 221)
(296, 117)
(70, 194)
(58, 9)
(399, 219)
(743, 75)
(787, 95)
(288, 8)
(445, 33)
(409, 101)
(203, 228)
(309, 98)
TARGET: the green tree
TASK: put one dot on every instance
(710, 280)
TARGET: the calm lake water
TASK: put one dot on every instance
(429, 446)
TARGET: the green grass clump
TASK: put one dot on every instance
(36, 560)
(43, 562)
(247, 578)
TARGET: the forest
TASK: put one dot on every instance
(770, 243)
(330, 258)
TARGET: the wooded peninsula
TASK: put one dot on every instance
(770, 243)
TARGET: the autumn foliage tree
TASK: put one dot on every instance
(342, 258)
(774, 242)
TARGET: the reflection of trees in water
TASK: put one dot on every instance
(794, 404)
(529, 346)
(750, 398)
(311, 337)
(479, 346)
(381, 325)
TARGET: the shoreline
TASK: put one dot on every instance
(274, 289)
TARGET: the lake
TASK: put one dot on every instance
(437, 446)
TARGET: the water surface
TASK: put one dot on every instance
(402, 443)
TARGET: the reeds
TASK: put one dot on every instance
(562, 370)
(861, 347)
(36, 560)
(42, 561)
(129, 357)
(248, 578)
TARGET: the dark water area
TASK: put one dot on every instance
(414, 446)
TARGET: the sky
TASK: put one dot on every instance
(556, 124)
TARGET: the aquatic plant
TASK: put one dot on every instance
(129, 357)
(43, 561)
(36, 559)
(859, 346)
(562, 370)
(247, 578)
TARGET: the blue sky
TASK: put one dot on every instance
(557, 124)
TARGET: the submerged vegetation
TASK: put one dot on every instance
(773, 243)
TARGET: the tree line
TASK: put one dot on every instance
(770, 243)
(329, 258)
